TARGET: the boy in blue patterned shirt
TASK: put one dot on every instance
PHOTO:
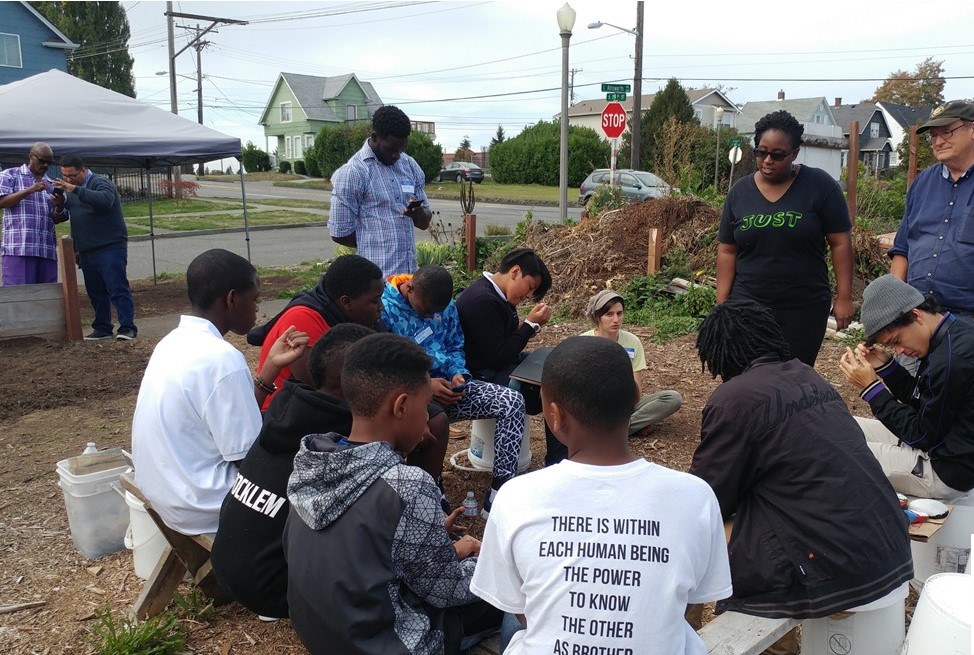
(420, 307)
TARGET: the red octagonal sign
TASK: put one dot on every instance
(613, 120)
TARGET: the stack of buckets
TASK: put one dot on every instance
(481, 452)
(101, 520)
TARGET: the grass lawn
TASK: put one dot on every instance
(64, 230)
(487, 191)
(268, 176)
(321, 185)
(217, 221)
(168, 206)
(291, 202)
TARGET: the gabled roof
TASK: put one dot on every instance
(879, 143)
(63, 43)
(595, 106)
(311, 92)
(906, 116)
(803, 109)
(862, 112)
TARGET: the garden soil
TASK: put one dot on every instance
(56, 397)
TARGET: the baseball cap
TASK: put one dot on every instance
(955, 110)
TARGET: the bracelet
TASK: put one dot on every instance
(263, 386)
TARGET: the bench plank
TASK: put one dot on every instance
(733, 633)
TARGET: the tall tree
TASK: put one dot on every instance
(671, 102)
(922, 88)
(102, 31)
(498, 137)
(464, 152)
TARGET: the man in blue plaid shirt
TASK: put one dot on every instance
(30, 211)
(377, 197)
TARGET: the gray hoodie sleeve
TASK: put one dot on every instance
(422, 552)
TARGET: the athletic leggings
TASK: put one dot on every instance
(506, 406)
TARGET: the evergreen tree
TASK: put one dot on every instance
(464, 152)
(102, 31)
(499, 137)
(673, 102)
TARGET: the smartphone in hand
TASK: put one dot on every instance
(413, 204)
(459, 388)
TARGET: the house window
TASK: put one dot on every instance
(874, 130)
(698, 114)
(351, 113)
(297, 147)
(287, 147)
(285, 112)
(309, 140)
(10, 51)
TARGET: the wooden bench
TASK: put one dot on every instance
(733, 633)
(182, 554)
(49, 311)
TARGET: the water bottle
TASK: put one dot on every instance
(90, 449)
(470, 505)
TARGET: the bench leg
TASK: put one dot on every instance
(161, 585)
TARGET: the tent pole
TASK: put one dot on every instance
(243, 197)
(152, 232)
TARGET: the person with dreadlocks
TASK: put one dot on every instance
(817, 526)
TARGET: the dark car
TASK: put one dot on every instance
(462, 170)
(637, 185)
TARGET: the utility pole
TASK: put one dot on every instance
(173, 107)
(571, 85)
(637, 92)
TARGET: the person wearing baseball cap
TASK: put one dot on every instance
(924, 435)
(934, 247)
(605, 311)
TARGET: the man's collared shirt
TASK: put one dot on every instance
(28, 230)
(937, 236)
(368, 198)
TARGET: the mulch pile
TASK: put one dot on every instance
(608, 250)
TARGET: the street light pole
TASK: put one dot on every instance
(719, 117)
(566, 20)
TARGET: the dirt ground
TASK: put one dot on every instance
(55, 397)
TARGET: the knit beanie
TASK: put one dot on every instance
(884, 300)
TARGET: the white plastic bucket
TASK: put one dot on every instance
(142, 538)
(97, 514)
(876, 632)
(481, 453)
(949, 550)
(942, 620)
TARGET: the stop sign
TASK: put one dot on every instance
(613, 120)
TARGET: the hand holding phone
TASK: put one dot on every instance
(459, 388)
(414, 204)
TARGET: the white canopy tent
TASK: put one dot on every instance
(105, 128)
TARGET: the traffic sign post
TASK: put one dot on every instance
(613, 125)
(616, 88)
(615, 97)
(733, 156)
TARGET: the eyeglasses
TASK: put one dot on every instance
(46, 162)
(945, 134)
(775, 156)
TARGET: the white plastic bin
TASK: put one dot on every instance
(142, 538)
(876, 632)
(481, 453)
(942, 620)
(949, 550)
(97, 514)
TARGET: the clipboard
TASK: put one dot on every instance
(529, 371)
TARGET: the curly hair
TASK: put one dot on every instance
(783, 121)
(389, 120)
(735, 334)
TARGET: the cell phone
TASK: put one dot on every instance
(459, 388)
(413, 204)
(57, 191)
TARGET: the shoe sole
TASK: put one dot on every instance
(123, 337)
(105, 338)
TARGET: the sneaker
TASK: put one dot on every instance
(268, 619)
(98, 336)
(125, 335)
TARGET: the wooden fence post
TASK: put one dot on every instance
(69, 289)
(654, 251)
(470, 236)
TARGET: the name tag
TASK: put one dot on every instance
(423, 335)
(631, 352)
(407, 187)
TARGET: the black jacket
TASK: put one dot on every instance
(493, 338)
(248, 554)
(818, 528)
(934, 412)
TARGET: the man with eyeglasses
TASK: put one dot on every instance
(934, 246)
(31, 207)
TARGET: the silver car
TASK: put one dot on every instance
(636, 185)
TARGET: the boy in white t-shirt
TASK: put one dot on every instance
(604, 550)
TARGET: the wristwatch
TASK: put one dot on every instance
(534, 326)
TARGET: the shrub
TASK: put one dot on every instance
(255, 160)
(335, 144)
(284, 167)
(428, 253)
(300, 168)
(180, 189)
(532, 157)
(427, 154)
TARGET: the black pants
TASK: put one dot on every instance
(467, 620)
(804, 328)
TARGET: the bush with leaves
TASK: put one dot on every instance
(532, 157)
(255, 160)
(427, 154)
(300, 168)
(284, 167)
(335, 144)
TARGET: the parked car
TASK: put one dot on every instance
(636, 185)
(462, 170)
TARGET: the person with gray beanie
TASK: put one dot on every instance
(924, 435)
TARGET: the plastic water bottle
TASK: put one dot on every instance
(90, 449)
(470, 505)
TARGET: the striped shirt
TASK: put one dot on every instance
(368, 198)
(28, 230)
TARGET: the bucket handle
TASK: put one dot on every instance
(117, 486)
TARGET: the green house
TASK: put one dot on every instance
(300, 105)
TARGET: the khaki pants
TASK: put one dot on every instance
(908, 469)
(653, 408)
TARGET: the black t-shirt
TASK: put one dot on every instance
(781, 245)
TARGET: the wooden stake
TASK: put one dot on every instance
(654, 251)
(69, 289)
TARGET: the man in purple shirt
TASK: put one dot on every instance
(30, 210)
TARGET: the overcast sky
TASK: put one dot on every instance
(471, 65)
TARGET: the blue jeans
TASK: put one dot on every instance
(107, 284)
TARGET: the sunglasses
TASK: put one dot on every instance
(46, 162)
(775, 156)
